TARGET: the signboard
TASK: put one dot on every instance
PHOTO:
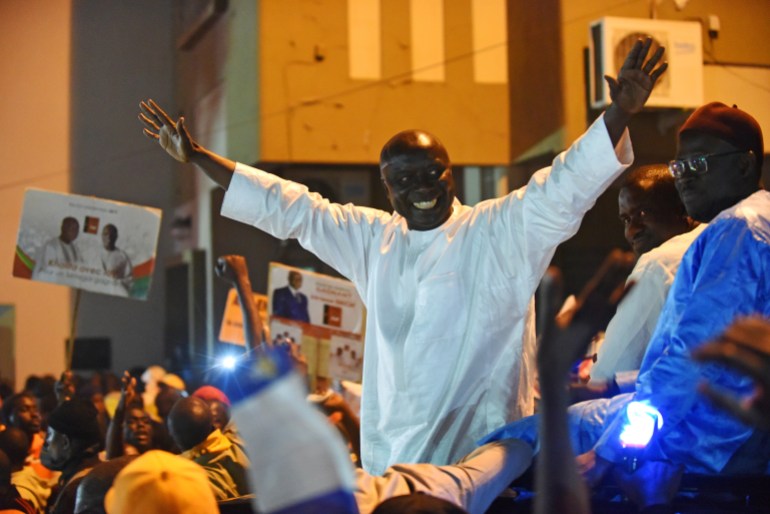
(231, 330)
(322, 313)
(89, 243)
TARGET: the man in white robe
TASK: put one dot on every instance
(448, 288)
(58, 251)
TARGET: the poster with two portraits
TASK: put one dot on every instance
(88, 243)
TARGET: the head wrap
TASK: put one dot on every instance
(729, 124)
(210, 393)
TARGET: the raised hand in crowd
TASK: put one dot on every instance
(558, 481)
(65, 387)
(233, 270)
(114, 445)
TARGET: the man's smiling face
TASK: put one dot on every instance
(418, 178)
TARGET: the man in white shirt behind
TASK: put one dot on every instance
(659, 231)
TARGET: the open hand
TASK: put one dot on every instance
(128, 390)
(173, 137)
(636, 78)
(65, 387)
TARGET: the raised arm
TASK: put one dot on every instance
(630, 91)
(114, 444)
(233, 269)
(175, 139)
(559, 485)
(64, 387)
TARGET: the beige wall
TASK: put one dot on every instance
(34, 143)
(741, 39)
(313, 112)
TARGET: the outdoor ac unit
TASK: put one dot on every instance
(612, 38)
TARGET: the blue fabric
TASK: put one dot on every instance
(587, 421)
(259, 371)
(335, 502)
(723, 275)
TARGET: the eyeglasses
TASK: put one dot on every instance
(697, 165)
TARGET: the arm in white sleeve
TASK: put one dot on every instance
(550, 208)
(630, 329)
(338, 234)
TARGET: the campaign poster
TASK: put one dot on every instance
(231, 330)
(88, 243)
(323, 314)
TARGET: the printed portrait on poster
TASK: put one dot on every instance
(89, 243)
(322, 313)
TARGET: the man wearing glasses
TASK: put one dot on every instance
(723, 275)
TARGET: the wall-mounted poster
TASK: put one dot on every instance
(324, 314)
(88, 243)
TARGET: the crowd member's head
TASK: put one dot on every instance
(73, 435)
(70, 228)
(417, 503)
(650, 209)
(161, 483)
(190, 422)
(417, 174)
(137, 429)
(219, 404)
(210, 393)
(151, 377)
(170, 389)
(220, 414)
(173, 380)
(32, 382)
(166, 399)
(718, 159)
(93, 488)
(21, 411)
(45, 391)
(15, 443)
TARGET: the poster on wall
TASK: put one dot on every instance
(323, 314)
(88, 243)
(231, 330)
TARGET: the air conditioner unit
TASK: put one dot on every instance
(611, 39)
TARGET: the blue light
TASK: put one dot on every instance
(228, 362)
(643, 421)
